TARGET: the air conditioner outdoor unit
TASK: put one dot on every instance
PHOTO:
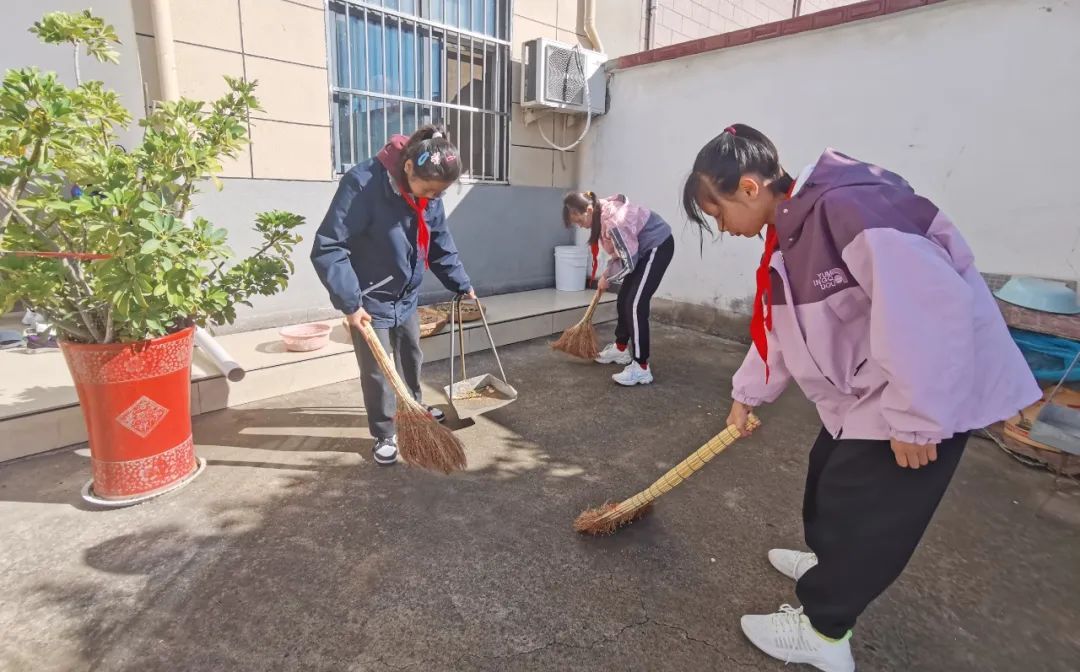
(555, 77)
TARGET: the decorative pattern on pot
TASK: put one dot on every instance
(124, 363)
(145, 475)
(143, 416)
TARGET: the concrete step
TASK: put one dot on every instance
(39, 409)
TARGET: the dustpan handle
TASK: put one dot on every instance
(453, 314)
(494, 350)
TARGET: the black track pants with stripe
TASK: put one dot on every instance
(636, 294)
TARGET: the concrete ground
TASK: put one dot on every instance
(293, 551)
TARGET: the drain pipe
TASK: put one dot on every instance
(165, 50)
(590, 26)
(650, 17)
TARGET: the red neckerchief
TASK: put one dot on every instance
(761, 322)
(423, 236)
(595, 247)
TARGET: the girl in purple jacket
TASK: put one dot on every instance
(640, 246)
(868, 298)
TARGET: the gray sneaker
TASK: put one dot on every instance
(385, 451)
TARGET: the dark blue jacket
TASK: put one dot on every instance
(367, 244)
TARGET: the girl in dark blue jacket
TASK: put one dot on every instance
(385, 225)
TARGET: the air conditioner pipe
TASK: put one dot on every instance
(165, 49)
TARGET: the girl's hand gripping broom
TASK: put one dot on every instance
(609, 517)
(580, 339)
(421, 439)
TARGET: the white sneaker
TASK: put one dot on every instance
(788, 636)
(612, 355)
(633, 374)
(792, 564)
(385, 451)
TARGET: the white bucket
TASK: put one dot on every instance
(571, 266)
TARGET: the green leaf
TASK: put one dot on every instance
(150, 246)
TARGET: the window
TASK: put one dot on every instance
(399, 64)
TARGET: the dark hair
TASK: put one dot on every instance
(723, 161)
(434, 157)
(576, 201)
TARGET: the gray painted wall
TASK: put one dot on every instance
(506, 236)
(19, 49)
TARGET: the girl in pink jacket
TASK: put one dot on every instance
(869, 300)
(640, 247)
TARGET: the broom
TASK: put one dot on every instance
(609, 517)
(580, 339)
(424, 442)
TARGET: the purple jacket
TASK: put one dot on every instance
(880, 315)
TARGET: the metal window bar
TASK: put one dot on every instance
(483, 126)
(383, 87)
(420, 98)
(366, 109)
(349, 99)
(457, 85)
(401, 77)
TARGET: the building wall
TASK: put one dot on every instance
(929, 93)
(280, 43)
(683, 20)
(506, 233)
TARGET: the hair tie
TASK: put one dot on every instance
(436, 134)
(730, 129)
(422, 159)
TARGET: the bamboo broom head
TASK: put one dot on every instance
(609, 517)
(605, 519)
(421, 439)
(424, 442)
(580, 339)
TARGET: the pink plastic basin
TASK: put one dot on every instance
(305, 337)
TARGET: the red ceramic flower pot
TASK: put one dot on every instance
(136, 401)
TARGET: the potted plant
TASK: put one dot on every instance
(102, 242)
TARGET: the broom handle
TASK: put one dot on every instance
(385, 363)
(592, 307)
(685, 469)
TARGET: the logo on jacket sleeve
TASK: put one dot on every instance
(831, 278)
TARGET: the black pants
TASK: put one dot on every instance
(636, 293)
(403, 344)
(863, 516)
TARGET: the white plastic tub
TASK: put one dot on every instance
(571, 267)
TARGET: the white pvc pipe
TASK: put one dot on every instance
(590, 26)
(165, 49)
(219, 356)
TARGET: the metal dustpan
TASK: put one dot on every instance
(475, 396)
(1058, 426)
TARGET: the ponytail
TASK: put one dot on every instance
(433, 156)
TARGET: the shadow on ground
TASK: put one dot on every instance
(294, 552)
